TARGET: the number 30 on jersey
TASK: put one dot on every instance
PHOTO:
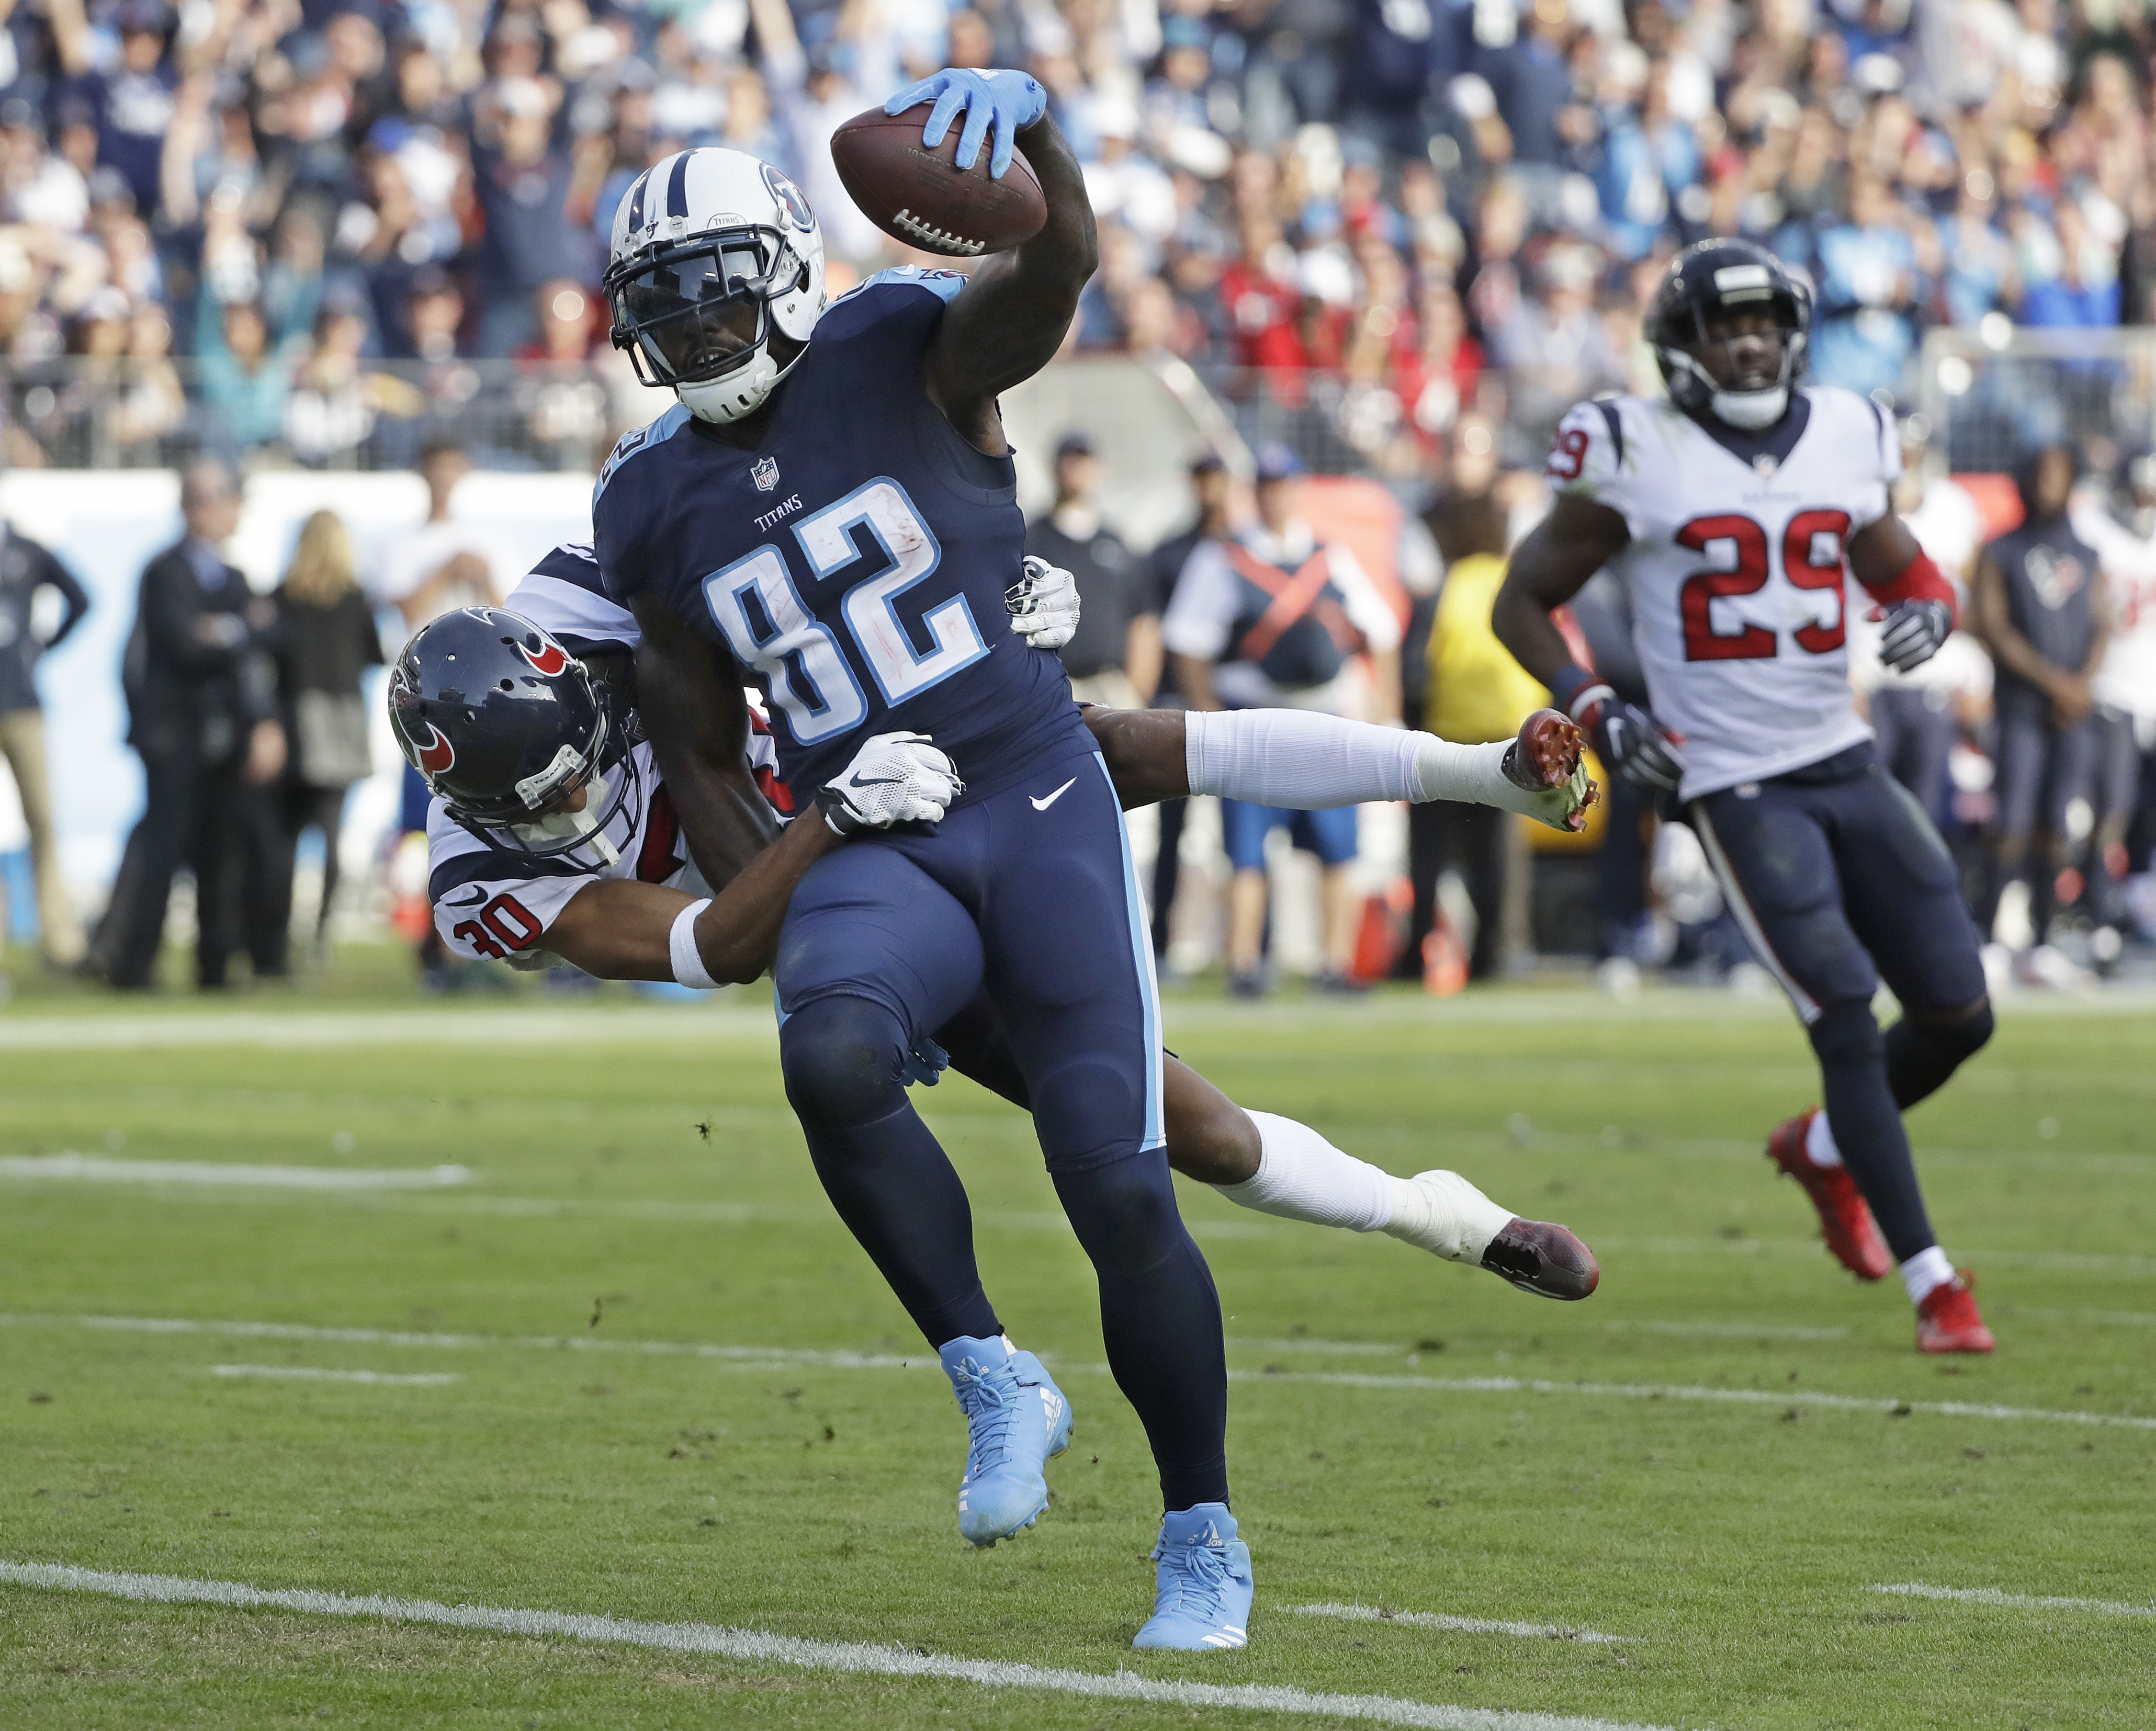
(770, 628)
(1811, 559)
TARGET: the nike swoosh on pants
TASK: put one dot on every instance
(1043, 804)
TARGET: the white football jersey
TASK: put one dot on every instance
(489, 903)
(1736, 568)
(2127, 681)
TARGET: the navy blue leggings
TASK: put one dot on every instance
(1838, 878)
(1030, 892)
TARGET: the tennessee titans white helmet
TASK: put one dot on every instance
(715, 254)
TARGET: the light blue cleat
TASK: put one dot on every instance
(1019, 1420)
(1203, 1600)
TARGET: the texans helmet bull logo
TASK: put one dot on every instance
(548, 658)
(434, 751)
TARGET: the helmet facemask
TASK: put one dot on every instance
(541, 819)
(696, 315)
(1751, 400)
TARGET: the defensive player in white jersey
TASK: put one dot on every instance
(597, 875)
(1734, 509)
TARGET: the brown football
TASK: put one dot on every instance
(920, 197)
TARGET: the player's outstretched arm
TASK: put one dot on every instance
(1008, 322)
(617, 928)
(689, 695)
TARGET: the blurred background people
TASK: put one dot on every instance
(327, 640)
(27, 570)
(1270, 618)
(1475, 692)
(1213, 491)
(2038, 604)
(202, 715)
(1114, 657)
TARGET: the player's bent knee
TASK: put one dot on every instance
(1959, 1034)
(1124, 1212)
(841, 1057)
(1848, 1034)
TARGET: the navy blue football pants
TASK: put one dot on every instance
(1839, 880)
(1030, 898)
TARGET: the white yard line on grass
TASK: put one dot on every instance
(756, 1358)
(1331, 1348)
(753, 1646)
(307, 1373)
(1664, 1391)
(93, 1169)
(2017, 1601)
(1460, 1625)
(342, 1029)
(1729, 1330)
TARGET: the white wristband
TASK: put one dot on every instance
(688, 969)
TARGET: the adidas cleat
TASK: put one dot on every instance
(1018, 1421)
(1542, 1257)
(1845, 1219)
(1948, 1320)
(1202, 1601)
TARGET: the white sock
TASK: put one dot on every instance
(1302, 1177)
(1473, 774)
(1294, 758)
(1925, 1272)
(1442, 1213)
(1819, 1144)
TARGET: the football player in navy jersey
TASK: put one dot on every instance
(830, 513)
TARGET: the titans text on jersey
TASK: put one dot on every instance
(855, 561)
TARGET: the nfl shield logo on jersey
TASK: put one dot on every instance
(765, 474)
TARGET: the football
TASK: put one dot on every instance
(922, 197)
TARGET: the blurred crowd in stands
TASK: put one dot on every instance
(1396, 236)
(297, 224)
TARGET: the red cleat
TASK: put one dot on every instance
(1947, 1321)
(1846, 1220)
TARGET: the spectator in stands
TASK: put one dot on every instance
(523, 184)
(1869, 290)
(202, 714)
(2038, 604)
(1213, 491)
(1115, 659)
(26, 568)
(245, 381)
(1270, 618)
(327, 641)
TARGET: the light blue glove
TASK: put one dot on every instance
(1011, 100)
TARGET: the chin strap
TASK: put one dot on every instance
(1920, 580)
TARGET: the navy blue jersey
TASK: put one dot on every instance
(855, 561)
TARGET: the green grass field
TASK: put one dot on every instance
(1757, 1447)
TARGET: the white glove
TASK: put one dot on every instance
(1043, 605)
(894, 778)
